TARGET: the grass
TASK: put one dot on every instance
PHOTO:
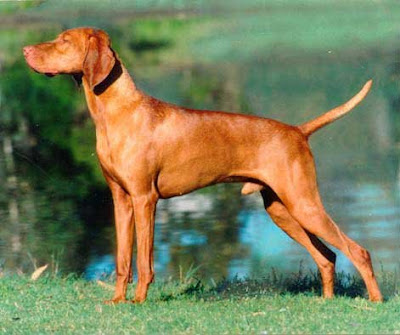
(275, 304)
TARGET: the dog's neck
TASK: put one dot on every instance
(117, 90)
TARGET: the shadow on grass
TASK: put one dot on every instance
(275, 283)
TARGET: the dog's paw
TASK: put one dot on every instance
(115, 301)
(138, 300)
(376, 298)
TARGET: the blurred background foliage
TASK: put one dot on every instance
(288, 60)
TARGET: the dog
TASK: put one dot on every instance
(150, 150)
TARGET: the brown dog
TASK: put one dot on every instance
(149, 149)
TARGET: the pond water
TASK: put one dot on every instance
(369, 214)
(45, 218)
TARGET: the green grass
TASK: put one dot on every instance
(268, 306)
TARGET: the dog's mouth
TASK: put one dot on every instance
(50, 74)
(46, 73)
(34, 67)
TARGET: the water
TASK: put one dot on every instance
(55, 209)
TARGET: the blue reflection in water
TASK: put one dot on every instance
(192, 237)
(99, 267)
(368, 214)
(272, 248)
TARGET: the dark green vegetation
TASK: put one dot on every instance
(265, 306)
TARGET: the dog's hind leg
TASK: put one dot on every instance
(297, 188)
(322, 255)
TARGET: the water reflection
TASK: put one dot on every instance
(372, 218)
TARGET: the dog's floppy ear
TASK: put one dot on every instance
(99, 59)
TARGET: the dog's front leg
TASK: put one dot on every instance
(144, 209)
(125, 226)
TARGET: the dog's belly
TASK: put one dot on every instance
(176, 184)
(209, 162)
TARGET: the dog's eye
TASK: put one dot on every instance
(66, 39)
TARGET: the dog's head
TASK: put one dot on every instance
(78, 51)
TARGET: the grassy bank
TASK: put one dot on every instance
(73, 305)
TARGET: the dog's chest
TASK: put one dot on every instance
(109, 151)
(103, 150)
(120, 153)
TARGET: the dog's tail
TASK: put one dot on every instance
(313, 125)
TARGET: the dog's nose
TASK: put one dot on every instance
(27, 50)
